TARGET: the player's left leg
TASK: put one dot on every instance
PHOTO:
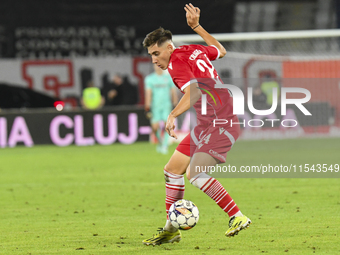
(157, 133)
(155, 121)
(209, 185)
(165, 141)
(214, 189)
(155, 129)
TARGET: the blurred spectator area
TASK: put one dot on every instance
(107, 27)
(124, 24)
(263, 16)
(50, 30)
(254, 16)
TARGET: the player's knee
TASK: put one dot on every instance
(154, 129)
(173, 169)
(167, 168)
(188, 174)
(191, 173)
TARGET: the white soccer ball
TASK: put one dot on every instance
(183, 214)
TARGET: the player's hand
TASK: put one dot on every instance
(192, 15)
(170, 126)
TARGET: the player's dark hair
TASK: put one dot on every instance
(158, 36)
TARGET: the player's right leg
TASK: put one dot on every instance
(174, 178)
(157, 133)
(163, 236)
(155, 130)
(174, 189)
(165, 141)
(155, 120)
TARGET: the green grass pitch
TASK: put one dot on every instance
(107, 199)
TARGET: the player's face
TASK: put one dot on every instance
(157, 69)
(161, 55)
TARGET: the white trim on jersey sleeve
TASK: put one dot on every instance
(188, 83)
(218, 52)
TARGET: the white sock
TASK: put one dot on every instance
(168, 226)
(238, 214)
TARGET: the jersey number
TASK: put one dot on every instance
(203, 65)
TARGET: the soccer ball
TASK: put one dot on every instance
(183, 214)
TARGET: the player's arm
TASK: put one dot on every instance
(190, 97)
(174, 97)
(193, 15)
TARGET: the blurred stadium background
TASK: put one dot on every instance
(51, 50)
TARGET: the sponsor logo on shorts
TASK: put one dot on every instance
(221, 130)
(214, 153)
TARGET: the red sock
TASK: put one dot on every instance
(174, 189)
(214, 189)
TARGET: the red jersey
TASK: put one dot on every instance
(191, 64)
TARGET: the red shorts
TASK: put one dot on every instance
(216, 141)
